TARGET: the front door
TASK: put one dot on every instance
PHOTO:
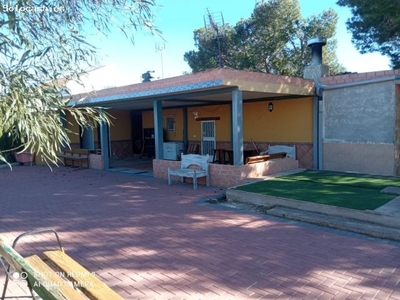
(207, 137)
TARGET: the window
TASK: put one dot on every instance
(170, 124)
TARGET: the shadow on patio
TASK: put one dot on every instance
(149, 240)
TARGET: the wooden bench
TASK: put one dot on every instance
(72, 155)
(193, 148)
(265, 157)
(290, 150)
(65, 279)
(192, 166)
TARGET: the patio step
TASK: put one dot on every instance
(337, 222)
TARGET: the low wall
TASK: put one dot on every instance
(270, 202)
(96, 162)
(228, 175)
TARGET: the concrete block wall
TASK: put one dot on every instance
(361, 114)
(228, 175)
(359, 126)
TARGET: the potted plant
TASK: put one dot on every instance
(24, 157)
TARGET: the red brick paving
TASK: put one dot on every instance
(149, 240)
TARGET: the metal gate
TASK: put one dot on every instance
(207, 137)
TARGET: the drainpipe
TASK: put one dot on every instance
(320, 135)
(316, 132)
(315, 71)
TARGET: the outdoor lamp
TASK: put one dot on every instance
(270, 107)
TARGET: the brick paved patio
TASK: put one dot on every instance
(149, 240)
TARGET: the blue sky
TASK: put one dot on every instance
(178, 18)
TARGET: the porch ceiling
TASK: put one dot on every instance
(205, 88)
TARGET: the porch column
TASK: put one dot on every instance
(158, 129)
(185, 129)
(231, 111)
(104, 145)
(237, 127)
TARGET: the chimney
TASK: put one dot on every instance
(315, 70)
(316, 45)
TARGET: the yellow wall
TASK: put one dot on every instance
(290, 121)
(194, 127)
(120, 128)
(148, 119)
(72, 126)
(222, 126)
(177, 113)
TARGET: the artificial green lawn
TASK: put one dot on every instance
(356, 191)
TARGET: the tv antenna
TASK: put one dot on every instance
(160, 47)
(215, 22)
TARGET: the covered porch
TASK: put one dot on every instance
(238, 111)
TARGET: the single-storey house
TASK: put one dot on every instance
(219, 108)
(346, 123)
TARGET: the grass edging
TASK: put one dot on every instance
(273, 201)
